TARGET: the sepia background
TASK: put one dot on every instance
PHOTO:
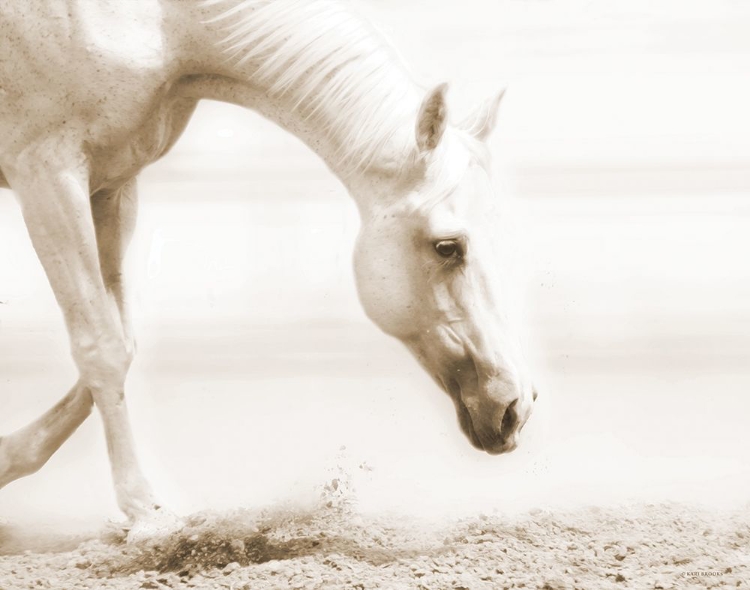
(623, 153)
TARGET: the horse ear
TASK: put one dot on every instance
(482, 121)
(432, 119)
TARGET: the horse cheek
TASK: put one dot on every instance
(386, 289)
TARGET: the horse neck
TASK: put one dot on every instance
(358, 116)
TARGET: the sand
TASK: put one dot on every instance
(332, 546)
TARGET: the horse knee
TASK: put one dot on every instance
(131, 349)
(17, 462)
(105, 364)
(7, 467)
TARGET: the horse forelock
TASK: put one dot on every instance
(330, 64)
(447, 168)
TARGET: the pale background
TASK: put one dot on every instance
(624, 143)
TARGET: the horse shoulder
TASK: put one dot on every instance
(97, 73)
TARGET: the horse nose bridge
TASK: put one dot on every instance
(497, 378)
(495, 355)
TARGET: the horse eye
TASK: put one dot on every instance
(448, 248)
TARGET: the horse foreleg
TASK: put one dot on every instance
(58, 214)
(114, 214)
(26, 450)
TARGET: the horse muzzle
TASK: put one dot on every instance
(489, 422)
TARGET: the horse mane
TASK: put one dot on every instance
(330, 63)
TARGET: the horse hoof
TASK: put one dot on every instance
(154, 526)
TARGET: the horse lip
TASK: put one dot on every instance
(454, 390)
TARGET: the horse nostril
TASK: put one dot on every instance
(534, 395)
(510, 420)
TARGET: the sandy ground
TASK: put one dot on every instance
(332, 546)
(639, 292)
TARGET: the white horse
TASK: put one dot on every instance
(93, 91)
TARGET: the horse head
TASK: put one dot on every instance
(427, 264)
